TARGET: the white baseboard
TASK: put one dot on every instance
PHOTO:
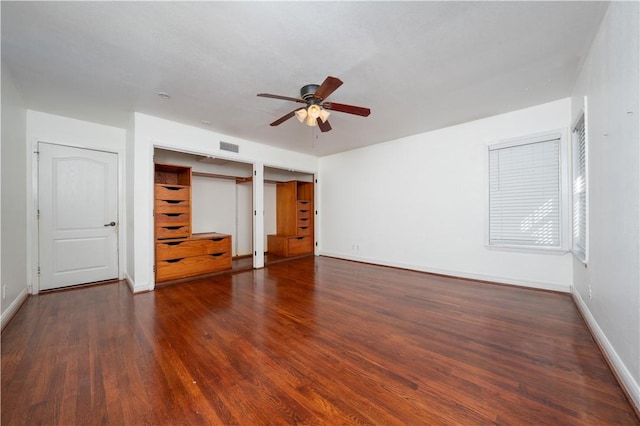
(541, 285)
(624, 376)
(136, 287)
(129, 281)
(13, 308)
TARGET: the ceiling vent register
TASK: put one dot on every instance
(231, 147)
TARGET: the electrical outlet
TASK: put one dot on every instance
(590, 293)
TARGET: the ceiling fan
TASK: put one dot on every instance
(316, 111)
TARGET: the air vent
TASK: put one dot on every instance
(226, 146)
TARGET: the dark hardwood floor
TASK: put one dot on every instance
(311, 341)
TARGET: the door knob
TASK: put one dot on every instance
(110, 224)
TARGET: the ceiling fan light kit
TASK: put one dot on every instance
(316, 112)
(310, 115)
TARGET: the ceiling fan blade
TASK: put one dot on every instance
(284, 98)
(327, 87)
(324, 125)
(283, 118)
(349, 109)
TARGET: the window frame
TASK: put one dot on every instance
(564, 192)
(582, 256)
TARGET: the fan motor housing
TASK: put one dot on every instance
(308, 92)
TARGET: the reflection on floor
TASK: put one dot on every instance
(246, 262)
(242, 263)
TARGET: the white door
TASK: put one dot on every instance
(78, 210)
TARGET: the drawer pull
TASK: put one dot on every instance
(299, 238)
(217, 239)
(172, 214)
(303, 211)
(172, 228)
(304, 227)
(304, 218)
(174, 201)
(216, 254)
(174, 260)
(174, 243)
(173, 188)
(303, 202)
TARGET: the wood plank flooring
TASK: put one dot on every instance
(312, 341)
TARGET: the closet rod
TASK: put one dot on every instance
(238, 179)
(213, 175)
(250, 179)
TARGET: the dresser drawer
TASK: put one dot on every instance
(173, 192)
(172, 219)
(172, 206)
(303, 221)
(179, 249)
(304, 230)
(178, 231)
(304, 205)
(299, 245)
(287, 245)
(304, 213)
(192, 266)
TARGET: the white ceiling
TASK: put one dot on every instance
(419, 66)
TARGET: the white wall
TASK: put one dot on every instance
(609, 79)
(243, 242)
(129, 196)
(214, 205)
(43, 127)
(14, 268)
(152, 132)
(214, 208)
(419, 202)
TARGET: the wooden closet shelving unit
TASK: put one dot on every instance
(179, 253)
(294, 220)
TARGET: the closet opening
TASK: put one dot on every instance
(289, 216)
(220, 210)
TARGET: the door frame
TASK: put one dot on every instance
(32, 211)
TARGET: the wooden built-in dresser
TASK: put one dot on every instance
(294, 220)
(179, 253)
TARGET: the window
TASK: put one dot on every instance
(580, 190)
(526, 195)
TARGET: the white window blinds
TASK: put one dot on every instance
(524, 194)
(579, 191)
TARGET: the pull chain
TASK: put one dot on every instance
(314, 137)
